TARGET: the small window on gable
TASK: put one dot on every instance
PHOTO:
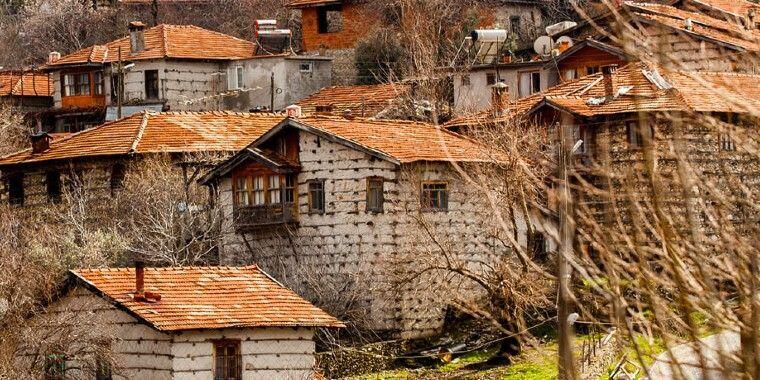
(375, 195)
(465, 80)
(306, 67)
(592, 70)
(329, 19)
(55, 367)
(434, 196)
(317, 196)
(727, 143)
(227, 360)
(53, 185)
(15, 185)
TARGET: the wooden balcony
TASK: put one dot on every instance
(248, 218)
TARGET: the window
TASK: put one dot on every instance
(259, 192)
(55, 367)
(53, 185)
(490, 78)
(329, 19)
(465, 80)
(242, 196)
(275, 190)
(76, 84)
(97, 79)
(570, 74)
(83, 84)
(239, 76)
(114, 87)
(434, 196)
(580, 133)
(227, 360)
(530, 83)
(636, 136)
(151, 84)
(592, 70)
(118, 173)
(16, 189)
(306, 67)
(727, 143)
(514, 24)
(317, 197)
(537, 246)
(375, 196)
(289, 190)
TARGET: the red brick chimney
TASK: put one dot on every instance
(139, 279)
(136, 37)
(499, 98)
(40, 142)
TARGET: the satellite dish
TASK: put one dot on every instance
(543, 45)
(565, 39)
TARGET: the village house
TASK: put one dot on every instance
(351, 202)
(178, 323)
(100, 157)
(27, 92)
(358, 100)
(180, 68)
(685, 39)
(704, 118)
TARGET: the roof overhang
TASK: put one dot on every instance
(314, 4)
(589, 42)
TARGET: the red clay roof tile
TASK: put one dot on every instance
(27, 84)
(367, 100)
(166, 41)
(207, 298)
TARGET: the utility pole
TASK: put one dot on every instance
(271, 92)
(119, 85)
(566, 225)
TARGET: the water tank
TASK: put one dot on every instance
(489, 35)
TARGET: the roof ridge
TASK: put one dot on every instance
(164, 40)
(140, 131)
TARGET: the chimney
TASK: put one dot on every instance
(608, 78)
(40, 142)
(348, 114)
(136, 37)
(53, 57)
(499, 97)
(139, 279)
(293, 111)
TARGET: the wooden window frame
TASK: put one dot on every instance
(519, 82)
(286, 192)
(256, 191)
(312, 207)
(727, 143)
(271, 190)
(98, 83)
(239, 77)
(426, 201)
(380, 207)
(635, 136)
(515, 27)
(289, 189)
(491, 79)
(72, 84)
(225, 343)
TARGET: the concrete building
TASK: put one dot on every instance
(355, 204)
(179, 323)
(177, 67)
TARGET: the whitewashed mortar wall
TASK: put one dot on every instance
(356, 249)
(142, 352)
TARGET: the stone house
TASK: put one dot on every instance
(178, 323)
(27, 92)
(100, 157)
(181, 68)
(344, 205)
(690, 40)
(707, 116)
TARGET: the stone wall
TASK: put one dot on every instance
(140, 351)
(349, 255)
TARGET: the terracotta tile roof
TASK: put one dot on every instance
(361, 100)
(703, 25)
(404, 141)
(649, 88)
(737, 7)
(154, 132)
(166, 41)
(27, 84)
(207, 298)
